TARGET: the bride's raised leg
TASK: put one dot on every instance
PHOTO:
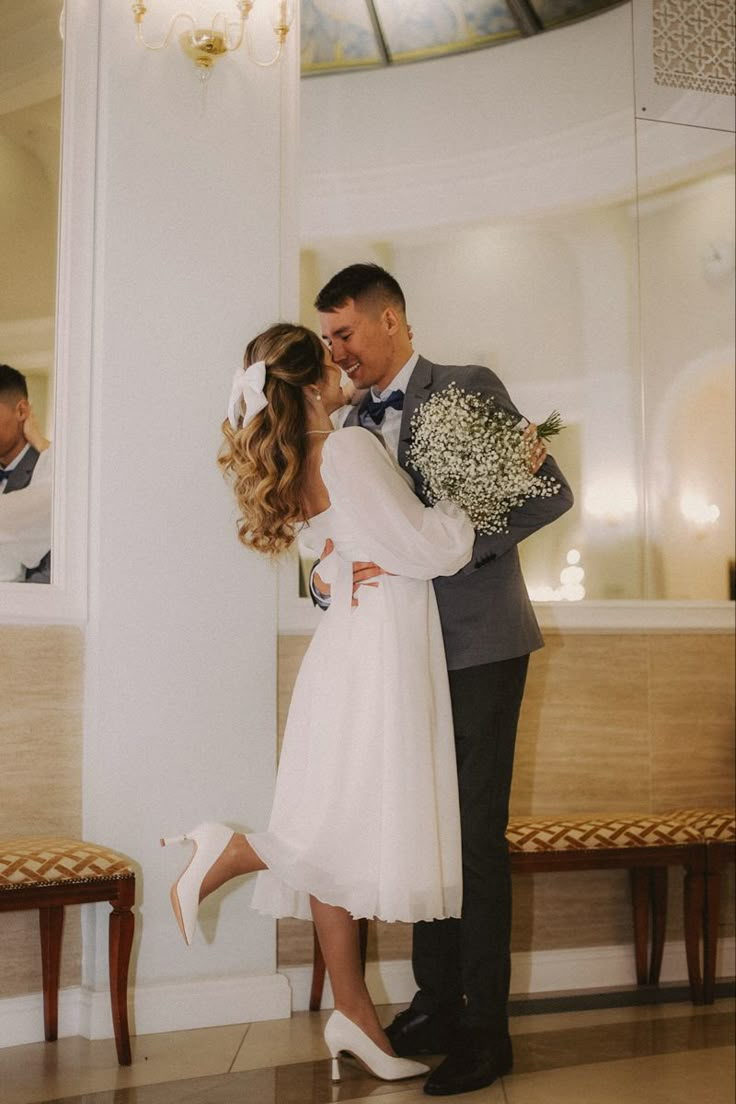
(237, 858)
(219, 855)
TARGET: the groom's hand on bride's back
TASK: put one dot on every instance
(365, 573)
(323, 590)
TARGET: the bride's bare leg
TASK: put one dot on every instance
(237, 858)
(338, 937)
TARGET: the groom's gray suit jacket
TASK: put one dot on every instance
(485, 609)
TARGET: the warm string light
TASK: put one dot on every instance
(204, 45)
(571, 587)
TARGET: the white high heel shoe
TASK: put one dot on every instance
(209, 840)
(343, 1036)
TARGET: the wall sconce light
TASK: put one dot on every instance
(700, 513)
(612, 501)
(204, 45)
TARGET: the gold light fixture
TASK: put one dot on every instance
(204, 45)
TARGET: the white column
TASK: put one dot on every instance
(191, 206)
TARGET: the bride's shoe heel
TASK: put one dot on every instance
(210, 840)
(343, 1036)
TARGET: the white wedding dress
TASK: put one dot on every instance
(365, 813)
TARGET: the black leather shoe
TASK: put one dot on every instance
(419, 1033)
(473, 1063)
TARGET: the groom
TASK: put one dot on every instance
(461, 967)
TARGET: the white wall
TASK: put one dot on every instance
(181, 651)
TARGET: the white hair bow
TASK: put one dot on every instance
(248, 384)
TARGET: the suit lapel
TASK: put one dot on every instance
(352, 418)
(21, 474)
(417, 391)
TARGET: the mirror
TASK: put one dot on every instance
(686, 232)
(30, 126)
(583, 254)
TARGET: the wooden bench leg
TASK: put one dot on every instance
(694, 901)
(710, 933)
(363, 941)
(121, 929)
(51, 922)
(318, 975)
(639, 877)
(658, 889)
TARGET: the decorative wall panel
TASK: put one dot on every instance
(694, 45)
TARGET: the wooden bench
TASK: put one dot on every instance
(646, 845)
(48, 873)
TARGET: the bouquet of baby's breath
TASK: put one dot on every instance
(466, 449)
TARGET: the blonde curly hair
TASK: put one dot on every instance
(265, 461)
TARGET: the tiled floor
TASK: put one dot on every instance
(661, 1054)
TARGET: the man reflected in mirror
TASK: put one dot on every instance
(25, 473)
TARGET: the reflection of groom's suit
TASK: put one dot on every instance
(18, 479)
(489, 630)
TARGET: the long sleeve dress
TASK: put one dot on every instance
(365, 813)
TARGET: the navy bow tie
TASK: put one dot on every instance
(5, 473)
(376, 408)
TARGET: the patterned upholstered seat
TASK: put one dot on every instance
(715, 825)
(45, 860)
(50, 872)
(543, 834)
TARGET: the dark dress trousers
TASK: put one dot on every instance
(489, 629)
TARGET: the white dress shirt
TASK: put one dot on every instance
(390, 427)
(25, 520)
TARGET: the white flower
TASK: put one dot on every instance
(468, 450)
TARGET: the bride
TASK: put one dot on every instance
(365, 819)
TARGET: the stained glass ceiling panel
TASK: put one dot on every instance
(422, 28)
(340, 35)
(554, 12)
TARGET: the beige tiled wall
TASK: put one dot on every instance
(40, 780)
(610, 723)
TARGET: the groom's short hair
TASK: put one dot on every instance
(360, 282)
(12, 384)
